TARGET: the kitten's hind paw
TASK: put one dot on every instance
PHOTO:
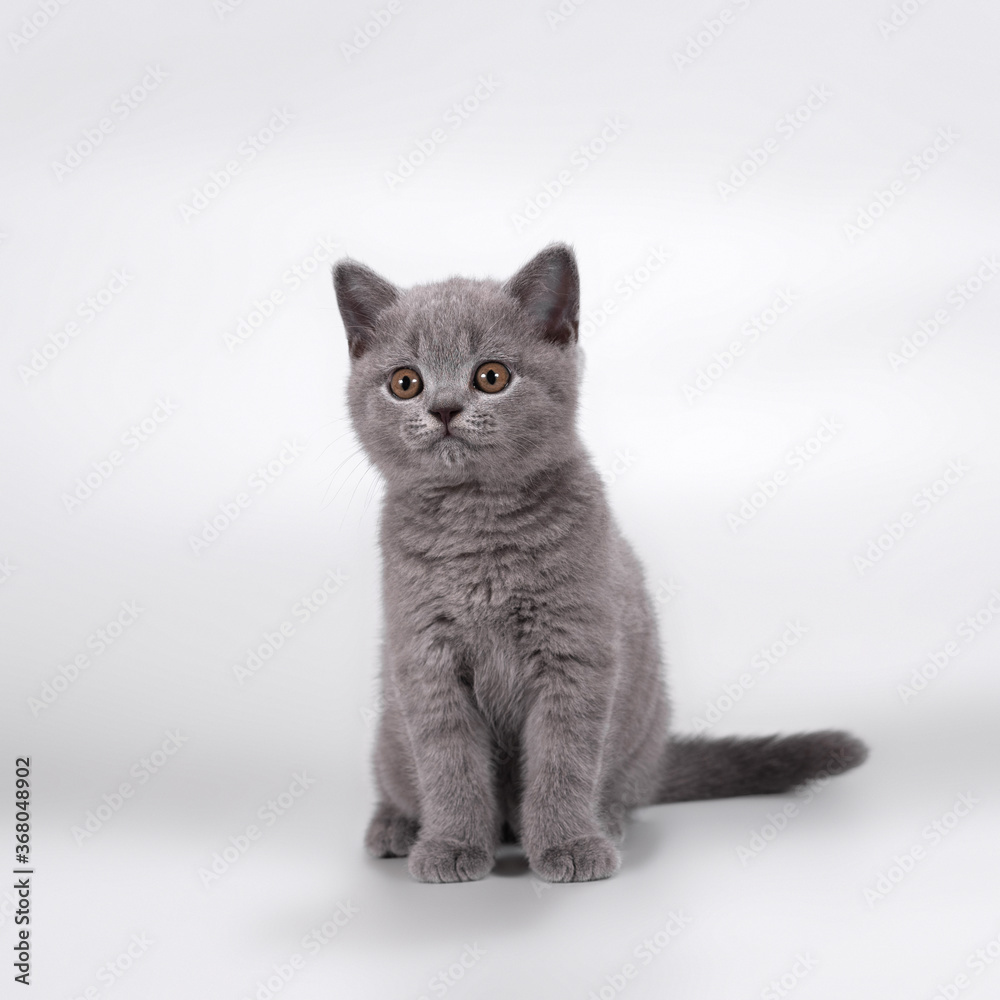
(435, 860)
(583, 860)
(390, 833)
(612, 821)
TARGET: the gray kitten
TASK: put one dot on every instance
(521, 675)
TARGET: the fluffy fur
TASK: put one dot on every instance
(523, 690)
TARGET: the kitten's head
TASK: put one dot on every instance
(463, 380)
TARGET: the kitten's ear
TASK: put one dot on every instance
(548, 288)
(361, 295)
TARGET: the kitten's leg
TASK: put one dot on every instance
(459, 825)
(390, 834)
(564, 738)
(393, 829)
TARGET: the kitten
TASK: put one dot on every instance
(521, 669)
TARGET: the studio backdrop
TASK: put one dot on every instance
(787, 227)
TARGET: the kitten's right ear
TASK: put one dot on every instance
(361, 295)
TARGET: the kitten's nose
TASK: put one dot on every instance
(445, 415)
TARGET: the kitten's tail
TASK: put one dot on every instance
(700, 767)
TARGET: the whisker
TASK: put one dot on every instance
(378, 481)
(339, 437)
(343, 416)
(331, 479)
(347, 479)
(350, 455)
(353, 492)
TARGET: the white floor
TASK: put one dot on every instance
(197, 813)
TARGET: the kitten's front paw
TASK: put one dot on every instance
(390, 834)
(583, 860)
(448, 861)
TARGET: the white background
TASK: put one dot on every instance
(677, 468)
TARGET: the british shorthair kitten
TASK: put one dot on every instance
(523, 693)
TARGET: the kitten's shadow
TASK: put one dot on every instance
(412, 912)
(643, 841)
(511, 861)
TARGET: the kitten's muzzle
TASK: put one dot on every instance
(445, 416)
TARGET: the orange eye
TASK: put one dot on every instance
(492, 376)
(405, 383)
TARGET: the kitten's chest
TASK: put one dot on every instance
(494, 584)
(483, 603)
(479, 588)
(470, 569)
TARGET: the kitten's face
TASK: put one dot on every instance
(463, 380)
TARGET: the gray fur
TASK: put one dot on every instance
(522, 684)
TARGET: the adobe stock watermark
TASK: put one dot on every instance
(621, 291)
(796, 459)
(454, 118)
(97, 643)
(87, 310)
(34, 23)
(8, 907)
(301, 612)
(292, 279)
(777, 820)
(539, 887)
(110, 973)
(562, 12)
(579, 161)
(970, 628)
(784, 128)
(237, 845)
(258, 482)
(367, 32)
(644, 953)
(761, 664)
(617, 467)
(931, 837)
(7, 569)
(751, 331)
(899, 17)
(130, 442)
(372, 712)
(245, 154)
(711, 30)
(122, 108)
(312, 944)
(977, 962)
(439, 984)
(957, 297)
(898, 527)
(666, 591)
(912, 170)
(142, 771)
(802, 965)
(223, 8)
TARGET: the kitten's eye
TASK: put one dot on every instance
(492, 376)
(405, 383)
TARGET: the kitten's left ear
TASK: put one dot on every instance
(361, 295)
(548, 288)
